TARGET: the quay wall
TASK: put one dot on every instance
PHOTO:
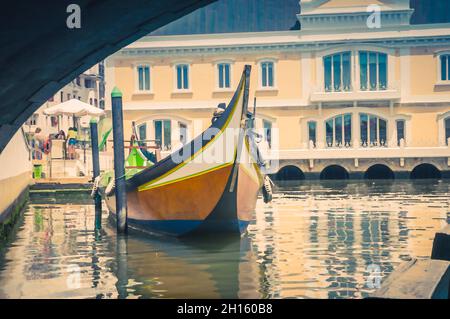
(15, 177)
(401, 168)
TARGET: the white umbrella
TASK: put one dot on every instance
(74, 107)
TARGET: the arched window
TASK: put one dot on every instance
(373, 130)
(338, 131)
(337, 72)
(373, 70)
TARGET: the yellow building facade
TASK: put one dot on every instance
(357, 86)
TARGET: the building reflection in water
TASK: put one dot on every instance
(313, 241)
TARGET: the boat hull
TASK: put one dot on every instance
(175, 209)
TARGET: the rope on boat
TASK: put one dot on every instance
(110, 188)
(95, 186)
(267, 189)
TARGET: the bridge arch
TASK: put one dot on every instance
(334, 172)
(289, 173)
(379, 171)
(425, 171)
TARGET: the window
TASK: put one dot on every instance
(183, 132)
(89, 83)
(90, 101)
(163, 134)
(373, 70)
(142, 131)
(95, 102)
(54, 121)
(445, 67)
(267, 126)
(447, 130)
(400, 131)
(182, 76)
(373, 130)
(312, 134)
(61, 96)
(78, 81)
(338, 131)
(33, 119)
(267, 74)
(143, 73)
(223, 71)
(68, 96)
(337, 72)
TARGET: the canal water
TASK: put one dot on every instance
(315, 240)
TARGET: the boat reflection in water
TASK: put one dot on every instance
(60, 253)
(315, 240)
(212, 268)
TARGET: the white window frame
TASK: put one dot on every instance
(341, 53)
(274, 71)
(358, 67)
(333, 145)
(162, 120)
(439, 67)
(378, 117)
(217, 88)
(136, 77)
(315, 142)
(175, 133)
(175, 77)
(355, 69)
(441, 127)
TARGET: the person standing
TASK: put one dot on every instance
(71, 142)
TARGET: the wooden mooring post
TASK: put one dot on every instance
(95, 150)
(96, 172)
(119, 161)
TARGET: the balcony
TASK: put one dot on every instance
(392, 92)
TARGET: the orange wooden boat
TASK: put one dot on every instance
(210, 185)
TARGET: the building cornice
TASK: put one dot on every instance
(293, 46)
(353, 20)
(286, 41)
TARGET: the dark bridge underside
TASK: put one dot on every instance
(39, 54)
